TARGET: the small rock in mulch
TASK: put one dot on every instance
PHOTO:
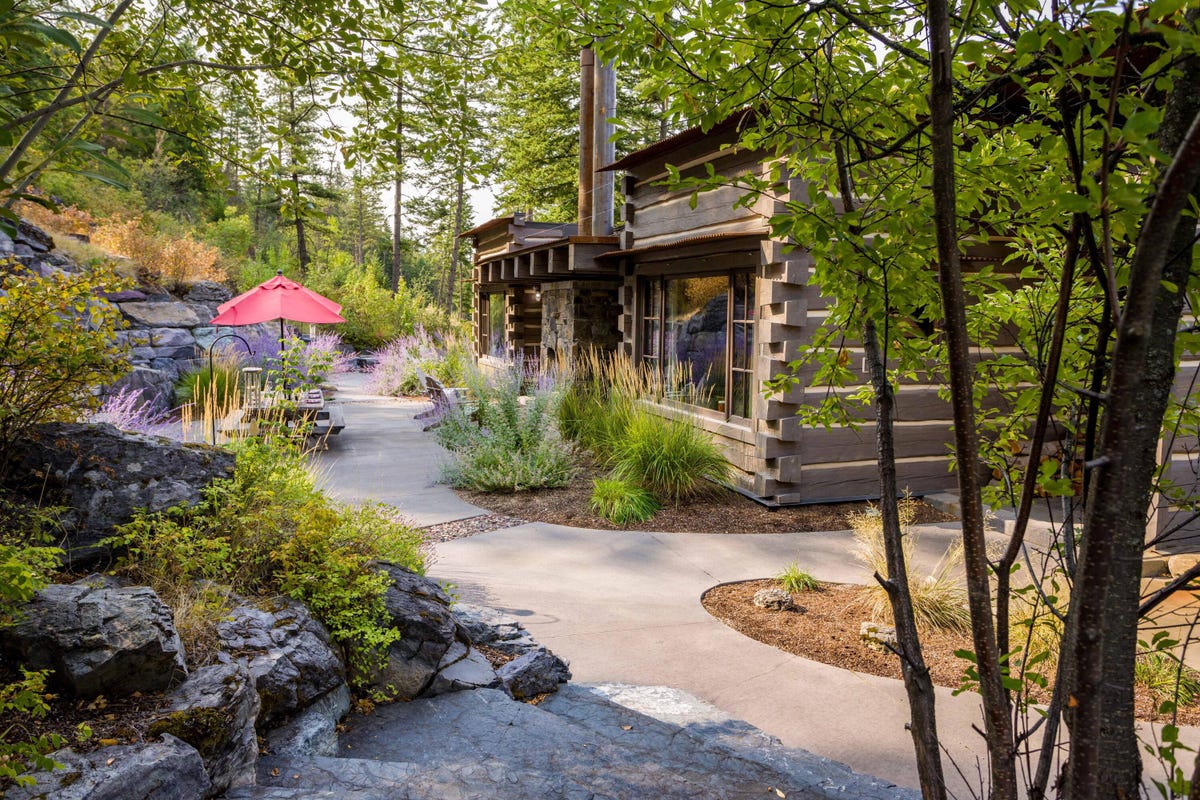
(774, 599)
(460, 529)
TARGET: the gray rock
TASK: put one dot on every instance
(537, 672)
(215, 711)
(288, 653)
(37, 239)
(204, 311)
(171, 367)
(876, 636)
(125, 296)
(172, 337)
(98, 641)
(103, 474)
(135, 337)
(160, 315)
(157, 386)
(493, 628)
(774, 599)
(462, 668)
(420, 610)
(209, 292)
(6, 245)
(23, 250)
(166, 770)
(313, 731)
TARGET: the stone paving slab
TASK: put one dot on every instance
(581, 743)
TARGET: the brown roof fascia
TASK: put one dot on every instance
(736, 120)
(487, 226)
(566, 240)
(690, 240)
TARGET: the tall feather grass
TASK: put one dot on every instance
(939, 600)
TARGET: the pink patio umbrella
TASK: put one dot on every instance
(278, 298)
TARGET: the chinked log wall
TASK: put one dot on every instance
(776, 458)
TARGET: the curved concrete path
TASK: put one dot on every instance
(625, 606)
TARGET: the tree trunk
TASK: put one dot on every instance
(1104, 758)
(917, 683)
(398, 191)
(301, 243)
(459, 199)
(997, 722)
(39, 125)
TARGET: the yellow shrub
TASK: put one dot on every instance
(67, 219)
(162, 258)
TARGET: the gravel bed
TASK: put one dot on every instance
(460, 529)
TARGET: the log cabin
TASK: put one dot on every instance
(700, 282)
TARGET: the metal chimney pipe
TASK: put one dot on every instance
(605, 149)
(587, 139)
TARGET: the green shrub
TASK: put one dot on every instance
(795, 580)
(672, 459)
(621, 502)
(57, 347)
(502, 444)
(268, 530)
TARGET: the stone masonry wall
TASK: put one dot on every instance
(577, 315)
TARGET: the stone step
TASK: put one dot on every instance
(680, 728)
(601, 742)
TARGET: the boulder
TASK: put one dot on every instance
(37, 239)
(215, 712)
(287, 652)
(1179, 564)
(103, 474)
(876, 636)
(420, 610)
(313, 731)
(166, 770)
(497, 630)
(98, 641)
(6, 245)
(537, 672)
(125, 296)
(463, 667)
(160, 314)
(157, 386)
(774, 599)
(172, 337)
(209, 292)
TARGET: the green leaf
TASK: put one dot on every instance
(56, 35)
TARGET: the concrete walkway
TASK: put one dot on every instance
(383, 456)
(625, 607)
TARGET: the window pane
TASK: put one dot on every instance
(496, 343)
(743, 345)
(695, 335)
(740, 395)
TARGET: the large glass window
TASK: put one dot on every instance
(496, 344)
(686, 326)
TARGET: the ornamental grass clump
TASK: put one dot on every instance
(795, 580)
(674, 460)
(503, 442)
(621, 502)
(939, 601)
(1160, 672)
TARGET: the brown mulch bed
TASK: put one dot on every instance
(722, 511)
(825, 628)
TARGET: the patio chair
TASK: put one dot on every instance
(444, 401)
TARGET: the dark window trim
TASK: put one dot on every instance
(657, 284)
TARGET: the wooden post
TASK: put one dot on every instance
(587, 136)
(604, 148)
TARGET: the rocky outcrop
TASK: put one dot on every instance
(215, 712)
(313, 731)
(98, 641)
(537, 672)
(420, 610)
(494, 629)
(166, 770)
(288, 653)
(103, 474)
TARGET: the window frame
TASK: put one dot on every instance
(654, 287)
